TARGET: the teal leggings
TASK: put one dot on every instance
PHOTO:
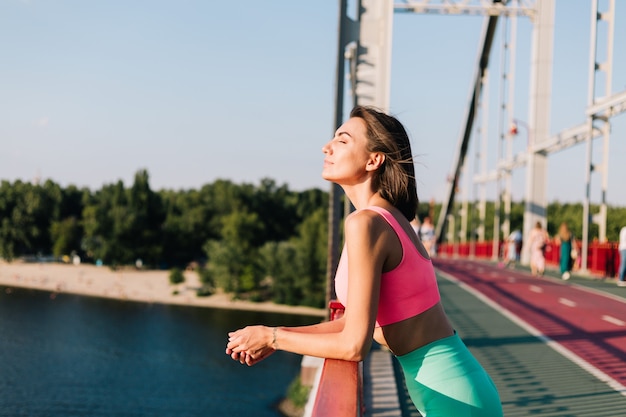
(445, 380)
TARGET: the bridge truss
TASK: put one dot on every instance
(364, 56)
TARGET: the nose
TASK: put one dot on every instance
(326, 148)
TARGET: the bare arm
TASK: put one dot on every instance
(348, 338)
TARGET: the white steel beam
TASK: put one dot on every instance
(565, 139)
(608, 106)
(562, 140)
(467, 7)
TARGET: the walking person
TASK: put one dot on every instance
(538, 240)
(567, 242)
(621, 281)
(385, 280)
(513, 247)
(427, 236)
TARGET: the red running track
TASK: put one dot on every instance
(587, 323)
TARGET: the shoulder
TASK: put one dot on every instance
(364, 221)
(368, 228)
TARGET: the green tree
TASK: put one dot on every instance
(145, 210)
(189, 223)
(122, 225)
(107, 224)
(232, 259)
(276, 208)
(27, 211)
(277, 261)
(176, 276)
(310, 261)
(66, 236)
(10, 233)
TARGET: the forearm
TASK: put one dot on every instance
(333, 326)
(327, 342)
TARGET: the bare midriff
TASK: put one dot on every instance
(407, 335)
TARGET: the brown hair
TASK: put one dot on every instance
(395, 179)
(564, 233)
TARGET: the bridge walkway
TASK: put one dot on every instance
(533, 373)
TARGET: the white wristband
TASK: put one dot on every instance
(274, 344)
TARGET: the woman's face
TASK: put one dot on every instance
(346, 155)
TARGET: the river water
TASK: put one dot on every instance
(68, 355)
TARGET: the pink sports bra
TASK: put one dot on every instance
(407, 290)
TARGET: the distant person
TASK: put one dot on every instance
(385, 279)
(513, 247)
(568, 250)
(427, 236)
(621, 282)
(537, 240)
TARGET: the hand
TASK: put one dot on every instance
(250, 345)
(249, 360)
(237, 356)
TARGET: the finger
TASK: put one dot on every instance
(235, 346)
(234, 334)
(238, 349)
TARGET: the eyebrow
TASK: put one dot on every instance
(344, 133)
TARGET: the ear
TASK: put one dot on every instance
(375, 161)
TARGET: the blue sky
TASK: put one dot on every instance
(193, 91)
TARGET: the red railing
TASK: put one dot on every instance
(340, 388)
(602, 258)
(476, 249)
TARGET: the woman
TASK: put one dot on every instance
(566, 239)
(538, 239)
(427, 236)
(621, 276)
(385, 280)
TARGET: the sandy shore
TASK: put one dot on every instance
(134, 285)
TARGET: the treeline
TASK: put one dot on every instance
(262, 242)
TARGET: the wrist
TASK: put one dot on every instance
(274, 337)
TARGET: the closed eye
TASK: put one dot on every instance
(342, 137)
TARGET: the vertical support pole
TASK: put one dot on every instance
(603, 168)
(508, 103)
(373, 64)
(607, 66)
(591, 86)
(539, 118)
(346, 33)
(465, 209)
(371, 79)
(484, 136)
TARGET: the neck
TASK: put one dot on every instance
(362, 197)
